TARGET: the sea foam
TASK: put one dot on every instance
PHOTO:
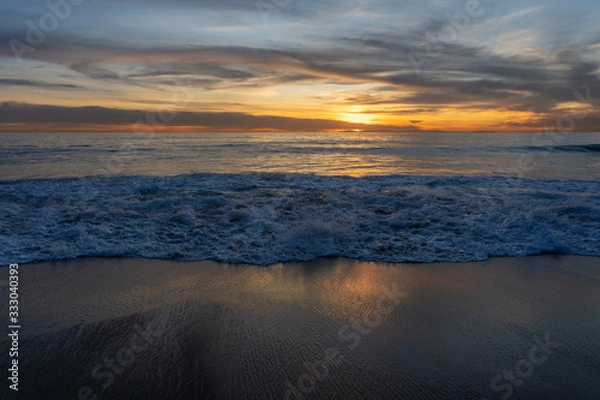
(268, 218)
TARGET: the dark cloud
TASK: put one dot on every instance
(34, 115)
(31, 83)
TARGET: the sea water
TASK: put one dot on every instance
(261, 198)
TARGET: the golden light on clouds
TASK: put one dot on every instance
(310, 72)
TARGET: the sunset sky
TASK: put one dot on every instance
(300, 65)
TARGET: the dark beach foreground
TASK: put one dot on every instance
(521, 328)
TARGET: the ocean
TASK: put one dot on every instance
(355, 302)
(262, 198)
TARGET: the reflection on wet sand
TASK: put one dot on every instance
(332, 328)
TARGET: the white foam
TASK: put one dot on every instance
(267, 218)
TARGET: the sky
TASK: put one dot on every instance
(299, 65)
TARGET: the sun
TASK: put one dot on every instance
(357, 118)
(355, 115)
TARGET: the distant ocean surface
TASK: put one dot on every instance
(262, 198)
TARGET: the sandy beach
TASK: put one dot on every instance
(114, 328)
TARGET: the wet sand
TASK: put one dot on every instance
(522, 328)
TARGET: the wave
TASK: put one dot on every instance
(268, 218)
(83, 152)
(568, 148)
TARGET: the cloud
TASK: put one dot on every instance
(31, 83)
(32, 116)
(309, 61)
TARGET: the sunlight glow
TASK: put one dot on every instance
(356, 116)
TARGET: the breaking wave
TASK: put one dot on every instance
(269, 218)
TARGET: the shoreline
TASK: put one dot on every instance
(329, 328)
(105, 274)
